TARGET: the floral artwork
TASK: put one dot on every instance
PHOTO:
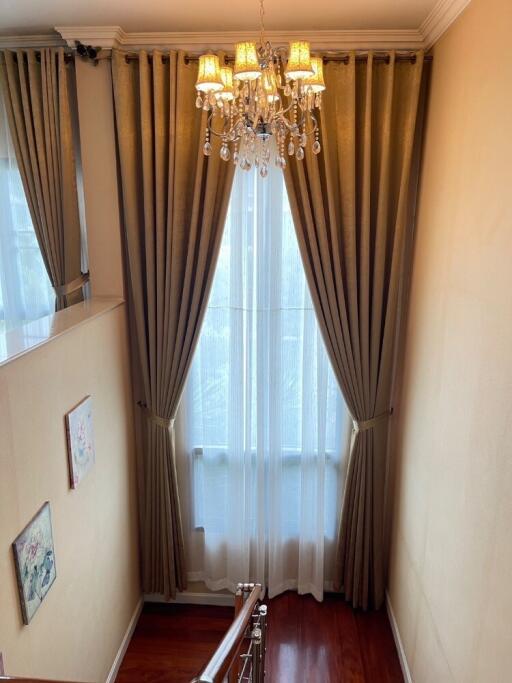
(80, 441)
(34, 558)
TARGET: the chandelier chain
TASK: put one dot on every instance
(262, 23)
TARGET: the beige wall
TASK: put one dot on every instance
(451, 560)
(80, 625)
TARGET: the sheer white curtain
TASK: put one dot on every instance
(25, 289)
(265, 422)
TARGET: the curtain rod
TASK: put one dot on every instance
(342, 57)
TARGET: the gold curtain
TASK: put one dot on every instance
(351, 207)
(36, 92)
(174, 203)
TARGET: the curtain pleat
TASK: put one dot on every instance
(351, 211)
(174, 207)
(36, 92)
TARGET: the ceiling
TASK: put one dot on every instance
(40, 16)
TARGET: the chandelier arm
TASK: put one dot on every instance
(284, 110)
(224, 133)
(312, 130)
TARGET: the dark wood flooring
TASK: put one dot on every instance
(308, 642)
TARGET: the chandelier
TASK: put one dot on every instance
(264, 104)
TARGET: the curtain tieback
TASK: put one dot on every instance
(69, 287)
(364, 425)
(164, 422)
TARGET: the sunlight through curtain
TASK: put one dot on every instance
(25, 289)
(266, 425)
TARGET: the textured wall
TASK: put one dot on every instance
(451, 559)
(79, 627)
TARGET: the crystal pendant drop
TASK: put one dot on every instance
(264, 170)
(300, 153)
(291, 148)
(207, 149)
(303, 140)
(199, 101)
(316, 147)
(236, 157)
(225, 153)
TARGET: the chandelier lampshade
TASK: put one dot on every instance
(316, 82)
(247, 64)
(209, 76)
(299, 61)
(227, 93)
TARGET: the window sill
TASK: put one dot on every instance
(24, 339)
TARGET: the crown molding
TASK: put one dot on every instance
(98, 36)
(50, 40)
(115, 37)
(431, 29)
(441, 17)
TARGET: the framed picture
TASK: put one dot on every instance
(80, 441)
(34, 558)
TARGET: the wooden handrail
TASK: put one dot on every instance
(220, 663)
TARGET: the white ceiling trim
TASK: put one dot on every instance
(435, 24)
(115, 37)
(442, 15)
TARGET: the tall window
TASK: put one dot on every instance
(266, 425)
(25, 289)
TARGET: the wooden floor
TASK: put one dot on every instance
(308, 642)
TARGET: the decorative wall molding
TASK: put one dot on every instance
(398, 641)
(442, 15)
(115, 37)
(98, 36)
(431, 29)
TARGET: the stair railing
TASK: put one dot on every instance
(240, 656)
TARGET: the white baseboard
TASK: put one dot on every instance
(398, 641)
(194, 598)
(114, 670)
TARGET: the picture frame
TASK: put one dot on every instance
(34, 560)
(80, 441)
